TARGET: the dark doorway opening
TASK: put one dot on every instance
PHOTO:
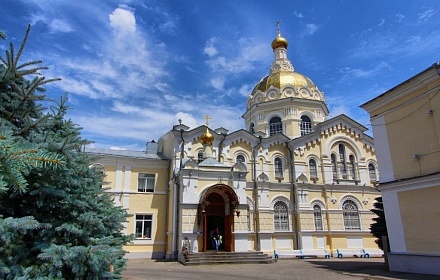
(212, 223)
(217, 206)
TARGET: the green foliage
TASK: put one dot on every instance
(56, 221)
(379, 227)
(18, 157)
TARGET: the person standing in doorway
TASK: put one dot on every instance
(217, 239)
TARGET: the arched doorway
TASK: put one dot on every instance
(218, 204)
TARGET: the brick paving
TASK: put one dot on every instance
(297, 269)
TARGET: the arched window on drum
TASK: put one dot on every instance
(275, 126)
(305, 126)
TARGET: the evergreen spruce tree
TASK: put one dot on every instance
(379, 227)
(56, 221)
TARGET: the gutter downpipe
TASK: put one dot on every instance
(294, 199)
(257, 214)
(177, 198)
(167, 206)
(326, 200)
(220, 147)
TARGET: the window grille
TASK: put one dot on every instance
(278, 168)
(313, 169)
(199, 157)
(351, 215)
(334, 169)
(275, 126)
(240, 158)
(317, 214)
(372, 172)
(352, 167)
(342, 164)
(306, 125)
(281, 216)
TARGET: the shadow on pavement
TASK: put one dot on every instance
(371, 269)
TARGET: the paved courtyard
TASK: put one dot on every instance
(333, 269)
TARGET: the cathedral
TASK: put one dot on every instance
(294, 179)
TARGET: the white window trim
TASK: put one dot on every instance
(146, 183)
(134, 228)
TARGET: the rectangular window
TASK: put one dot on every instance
(313, 171)
(146, 182)
(306, 128)
(143, 226)
(318, 219)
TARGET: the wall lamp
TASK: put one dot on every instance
(237, 212)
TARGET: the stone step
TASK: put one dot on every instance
(228, 258)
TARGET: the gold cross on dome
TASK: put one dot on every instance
(207, 119)
(278, 25)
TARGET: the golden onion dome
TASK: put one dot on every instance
(207, 137)
(282, 72)
(279, 42)
(281, 79)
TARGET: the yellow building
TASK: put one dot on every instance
(293, 179)
(139, 183)
(406, 126)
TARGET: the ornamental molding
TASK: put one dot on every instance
(352, 198)
(282, 199)
(317, 202)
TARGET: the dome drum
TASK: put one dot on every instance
(289, 91)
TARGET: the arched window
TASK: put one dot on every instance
(317, 215)
(252, 128)
(372, 172)
(351, 215)
(342, 164)
(275, 126)
(281, 216)
(306, 125)
(334, 168)
(240, 158)
(313, 170)
(352, 167)
(200, 157)
(278, 167)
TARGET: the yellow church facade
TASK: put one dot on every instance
(293, 180)
(406, 125)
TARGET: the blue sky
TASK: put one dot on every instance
(133, 68)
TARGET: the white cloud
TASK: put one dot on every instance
(210, 49)
(217, 83)
(117, 148)
(399, 18)
(186, 118)
(239, 56)
(58, 25)
(115, 66)
(382, 21)
(426, 15)
(169, 25)
(311, 28)
(349, 72)
(298, 15)
(245, 90)
(340, 109)
(122, 21)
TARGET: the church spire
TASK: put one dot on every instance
(279, 42)
(207, 137)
